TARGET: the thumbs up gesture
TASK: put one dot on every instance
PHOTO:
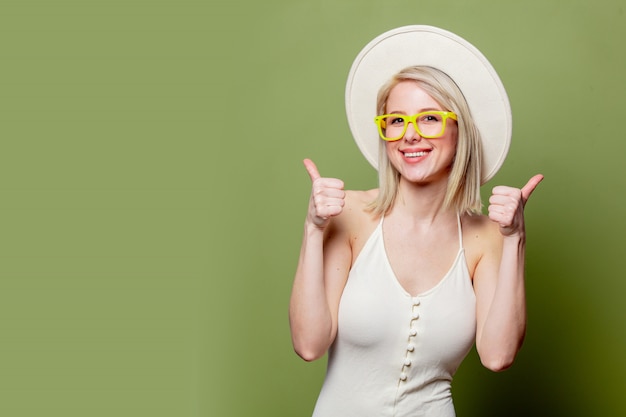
(327, 197)
(506, 206)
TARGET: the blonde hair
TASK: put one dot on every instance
(463, 191)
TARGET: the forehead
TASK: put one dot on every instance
(409, 96)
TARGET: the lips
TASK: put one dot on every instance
(415, 153)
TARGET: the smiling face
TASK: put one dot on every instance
(417, 159)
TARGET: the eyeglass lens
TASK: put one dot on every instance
(428, 125)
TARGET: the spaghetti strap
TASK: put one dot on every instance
(458, 221)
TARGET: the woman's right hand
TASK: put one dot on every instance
(327, 197)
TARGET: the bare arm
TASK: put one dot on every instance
(322, 269)
(499, 280)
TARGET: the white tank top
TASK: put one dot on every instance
(395, 354)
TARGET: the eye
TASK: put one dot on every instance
(395, 121)
(431, 118)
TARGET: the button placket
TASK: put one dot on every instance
(406, 363)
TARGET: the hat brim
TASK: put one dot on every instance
(422, 45)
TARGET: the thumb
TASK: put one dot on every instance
(311, 169)
(528, 189)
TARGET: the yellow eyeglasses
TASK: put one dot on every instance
(428, 124)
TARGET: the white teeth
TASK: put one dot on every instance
(415, 154)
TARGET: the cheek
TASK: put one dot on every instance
(453, 150)
(454, 145)
(453, 142)
(448, 149)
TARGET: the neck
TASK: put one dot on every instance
(423, 202)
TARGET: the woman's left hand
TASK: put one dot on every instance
(506, 206)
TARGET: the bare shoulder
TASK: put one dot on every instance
(356, 221)
(480, 236)
(359, 200)
(356, 210)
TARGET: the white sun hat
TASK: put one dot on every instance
(429, 46)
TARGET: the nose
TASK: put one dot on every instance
(411, 133)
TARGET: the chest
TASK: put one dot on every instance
(377, 313)
(420, 259)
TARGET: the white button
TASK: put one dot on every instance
(413, 332)
(416, 316)
(407, 362)
(416, 301)
(403, 376)
(410, 348)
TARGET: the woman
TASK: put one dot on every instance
(397, 283)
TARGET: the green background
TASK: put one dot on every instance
(152, 198)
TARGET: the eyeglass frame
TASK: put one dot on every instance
(380, 122)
